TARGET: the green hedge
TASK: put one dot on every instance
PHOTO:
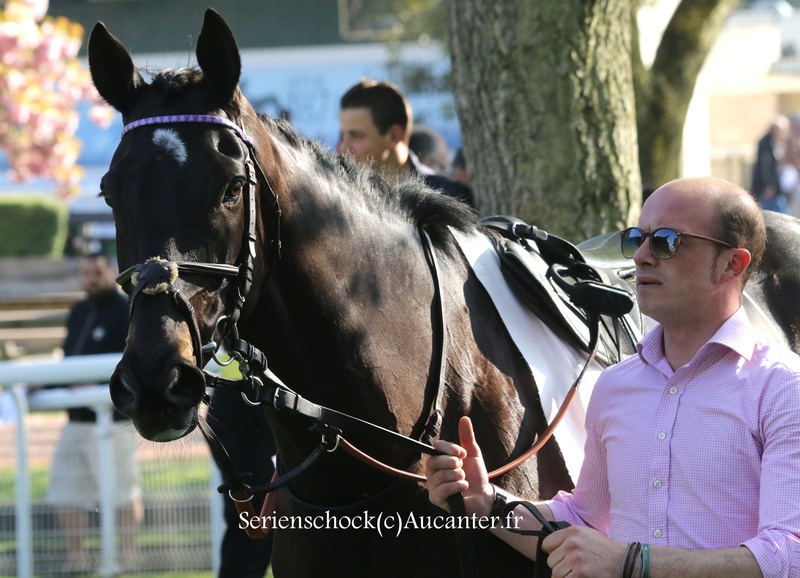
(32, 225)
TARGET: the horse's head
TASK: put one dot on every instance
(183, 184)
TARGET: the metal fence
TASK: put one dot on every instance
(182, 524)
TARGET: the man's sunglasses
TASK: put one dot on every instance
(664, 242)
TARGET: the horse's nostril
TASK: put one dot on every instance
(185, 387)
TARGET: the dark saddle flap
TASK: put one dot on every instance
(568, 291)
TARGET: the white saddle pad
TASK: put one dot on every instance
(554, 364)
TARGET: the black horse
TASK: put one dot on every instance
(332, 282)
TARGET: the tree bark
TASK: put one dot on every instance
(544, 94)
(664, 92)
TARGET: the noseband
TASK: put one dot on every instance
(157, 275)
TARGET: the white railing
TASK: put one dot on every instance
(16, 377)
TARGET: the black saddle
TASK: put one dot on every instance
(579, 293)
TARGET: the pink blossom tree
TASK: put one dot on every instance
(41, 84)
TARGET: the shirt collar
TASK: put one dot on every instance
(737, 334)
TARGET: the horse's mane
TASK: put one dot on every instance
(410, 199)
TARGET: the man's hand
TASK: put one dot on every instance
(461, 470)
(583, 552)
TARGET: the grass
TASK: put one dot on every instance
(157, 478)
(167, 575)
(40, 476)
(185, 476)
(183, 575)
(207, 574)
(171, 575)
(190, 575)
(195, 575)
(166, 478)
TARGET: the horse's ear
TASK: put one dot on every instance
(218, 55)
(113, 73)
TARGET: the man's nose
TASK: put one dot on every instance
(644, 253)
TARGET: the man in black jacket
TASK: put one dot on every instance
(766, 185)
(97, 324)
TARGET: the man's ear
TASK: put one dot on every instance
(738, 261)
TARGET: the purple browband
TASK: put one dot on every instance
(206, 118)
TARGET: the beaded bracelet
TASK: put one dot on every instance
(645, 561)
(631, 558)
(636, 555)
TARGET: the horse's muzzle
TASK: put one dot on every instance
(162, 409)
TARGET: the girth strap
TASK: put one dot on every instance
(440, 338)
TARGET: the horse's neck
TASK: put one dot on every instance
(348, 304)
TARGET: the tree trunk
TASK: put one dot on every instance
(544, 94)
(664, 92)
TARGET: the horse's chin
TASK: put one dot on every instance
(157, 430)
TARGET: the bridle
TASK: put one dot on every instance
(157, 275)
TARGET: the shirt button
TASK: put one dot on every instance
(673, 390)
(662, 435)
(657, 533)
(657, 484)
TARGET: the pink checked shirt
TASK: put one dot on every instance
(704, 457)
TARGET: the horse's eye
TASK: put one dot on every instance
(234, 190)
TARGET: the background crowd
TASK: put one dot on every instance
(776, 171)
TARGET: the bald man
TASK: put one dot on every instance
(692, 458)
